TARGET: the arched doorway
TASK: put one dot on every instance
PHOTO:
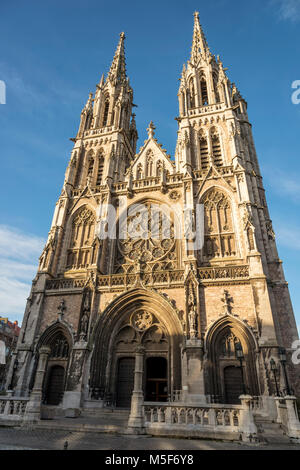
(125, 381)
(156, 388)
(137, 319)
(59, 342)
(55, 386)
(231, 366)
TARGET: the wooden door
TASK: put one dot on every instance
(55, 386)
(233, 382)
(125, 381)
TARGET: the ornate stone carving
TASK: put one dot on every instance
(270, 231)
(174, 195)
(61, 310)
(226, 299)
(141, 320)
(147, 236)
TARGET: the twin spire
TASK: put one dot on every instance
(117, 72)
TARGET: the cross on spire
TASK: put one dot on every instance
(150, 130)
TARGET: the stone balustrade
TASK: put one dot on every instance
(12, 408)
(233, 422)
(158, 278)
(211, 415)
(206, 109)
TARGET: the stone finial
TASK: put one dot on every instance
(150, 130)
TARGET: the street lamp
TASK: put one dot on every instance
(240, 356)
(274, 370)
(282, 358)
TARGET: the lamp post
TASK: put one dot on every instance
(274, 370)
(282, 358)
(240, 357)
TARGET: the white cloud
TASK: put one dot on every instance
(288, 9)
(282, 183)
(288, 236)
(19, 255)
(17, 245)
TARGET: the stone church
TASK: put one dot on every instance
(196, 309)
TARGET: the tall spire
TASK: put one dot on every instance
(199, 46)
(117, 72)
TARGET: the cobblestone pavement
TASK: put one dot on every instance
(39, 439)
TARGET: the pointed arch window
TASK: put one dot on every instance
(215, 82)
(139, 172)
(90, 170)
(105, 112)
(59, 346)
(219, 235)
(204, 93)
(203, 145)
(192, 94)
(149, 164)
(82, 236)
(216, 147)
(100, 170)
(159, 168)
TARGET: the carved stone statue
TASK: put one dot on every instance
(193, 321)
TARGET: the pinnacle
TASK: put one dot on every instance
(117, 72)
(199, 45)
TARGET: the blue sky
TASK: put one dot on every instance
(52, 54)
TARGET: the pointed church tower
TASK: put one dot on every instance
(109, 117)
(216, 153)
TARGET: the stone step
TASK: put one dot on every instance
(270, 432)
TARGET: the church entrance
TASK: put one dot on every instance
(55, 387)
(156, 379)
(125, 381)
(233, 382)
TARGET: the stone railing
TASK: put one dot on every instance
(225, 170)
(256, 404)
(212, 415)
(146, 182)
(229, 272)
(209, 108)
(163, 278)
(65, 283)
(232, 422)
(12, 408)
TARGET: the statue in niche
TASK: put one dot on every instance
(192, 313)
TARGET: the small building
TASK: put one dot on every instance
(9, 333)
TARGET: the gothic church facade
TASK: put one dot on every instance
(202, 324)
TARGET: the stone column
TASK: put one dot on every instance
(194, 388)
(33, 409)
(74, 393)
(136, 418)
(277, 402)
(247, 425)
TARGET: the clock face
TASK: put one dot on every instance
(147, 234)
